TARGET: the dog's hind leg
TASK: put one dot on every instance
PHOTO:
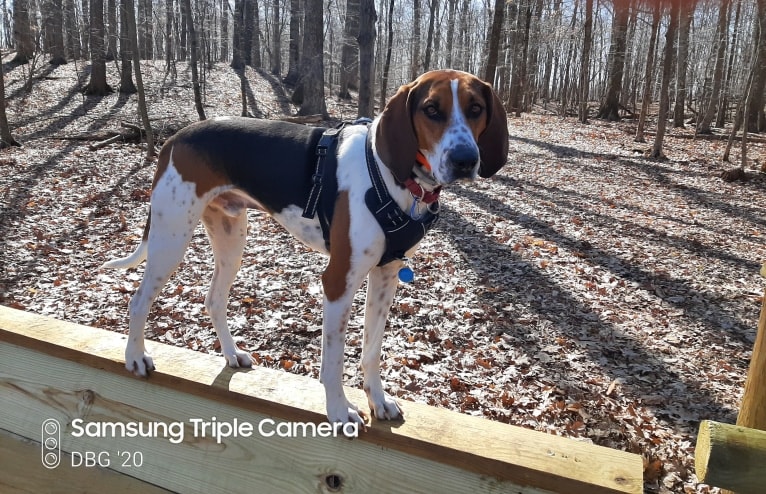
(176, 210)
(227, 235)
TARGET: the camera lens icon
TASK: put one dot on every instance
(51, 443)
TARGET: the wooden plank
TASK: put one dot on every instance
(55, 369)
(731, 457)
(752, 413)
(21, 473)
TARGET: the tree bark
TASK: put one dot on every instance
(667, 74)
(142, 109)
(194, 60)
(237, 61)
(58, 56)
(450, 32)
(73, 44)
(687, 12)
(97, 85)
(720, 59)
(367, 36)
(255, 42)
(22, 32)
(276, 41)
(5, 129)
(349, 58)
(585, 66)
(610, 108)
(126, 52)
(111, 30)
(648, 79)
(415, 62)
(494, 41)
(311, 85)
(389, 49)
(224, 53)
(433, 7)
(293, 61)
(755, 119)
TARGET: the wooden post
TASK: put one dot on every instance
(752, 413)
(731, 457)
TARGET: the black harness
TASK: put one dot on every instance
(401, 230)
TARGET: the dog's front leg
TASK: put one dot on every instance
(381, 287)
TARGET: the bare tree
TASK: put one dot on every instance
(6, 138)
(667, 74)
(276, 41)
(389, 47)
(415, 61)
(293, 59)
(56, 40)
(194, 60)
(367, 35)
(142, 109)
(22, 32)
(715, 95)
(310, 90)
(494, 41)
(687, 12)
(585, 65)
(610, 108)
(126, 51)
(647, 94)
(754, 115)
(97, 85)
(349, 61)
(433, 7)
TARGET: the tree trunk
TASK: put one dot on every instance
(755, 118)
(97, 85)
(367, 35)
(311, 85)
(723, 110)
(142, 109)
(169, 58)
(22, 32)
(715, 94)
(58, 56)
(565, 75)
(194, 60)
(687, 12)
(255, 43)
(5, 129)
(648, 71)
(126, 51)
(237, 61)
(293, 62)
(73, 44)
(145, 30)
(415, 62)
(610, 108)
(585, 65)
(248, 27)
(349, 58)
(276, 41)
(111, 30)
(224, 53)
(433, 8)
(450, 32)
(494, 41)
(667, 74)
(389, 49)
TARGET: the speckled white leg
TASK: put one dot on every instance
(381, 288)
(227, 237)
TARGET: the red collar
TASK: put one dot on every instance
(417, 190)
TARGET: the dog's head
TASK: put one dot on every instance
(453, 118)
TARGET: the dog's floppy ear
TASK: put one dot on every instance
(493, 142)
(395, 138)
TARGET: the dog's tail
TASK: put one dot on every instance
(136, 257)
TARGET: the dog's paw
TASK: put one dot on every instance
(383, 407)
(139, 363)
(346, 413)
(239, 358)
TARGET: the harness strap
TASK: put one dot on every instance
(402, 231)
(321, 176)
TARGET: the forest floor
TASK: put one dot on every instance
(585, 291)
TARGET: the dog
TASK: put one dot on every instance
(445, 126)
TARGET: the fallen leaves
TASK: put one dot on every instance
(584, 291)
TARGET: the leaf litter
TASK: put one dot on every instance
(585, 291)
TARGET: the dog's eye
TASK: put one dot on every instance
(432, 112)
(475, 110)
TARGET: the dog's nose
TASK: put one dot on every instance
(464, 158)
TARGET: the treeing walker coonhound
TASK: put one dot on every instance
(444, 126)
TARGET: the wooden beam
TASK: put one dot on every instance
(752, 413)
(54, 369)
(20, 459)
(731, 457)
